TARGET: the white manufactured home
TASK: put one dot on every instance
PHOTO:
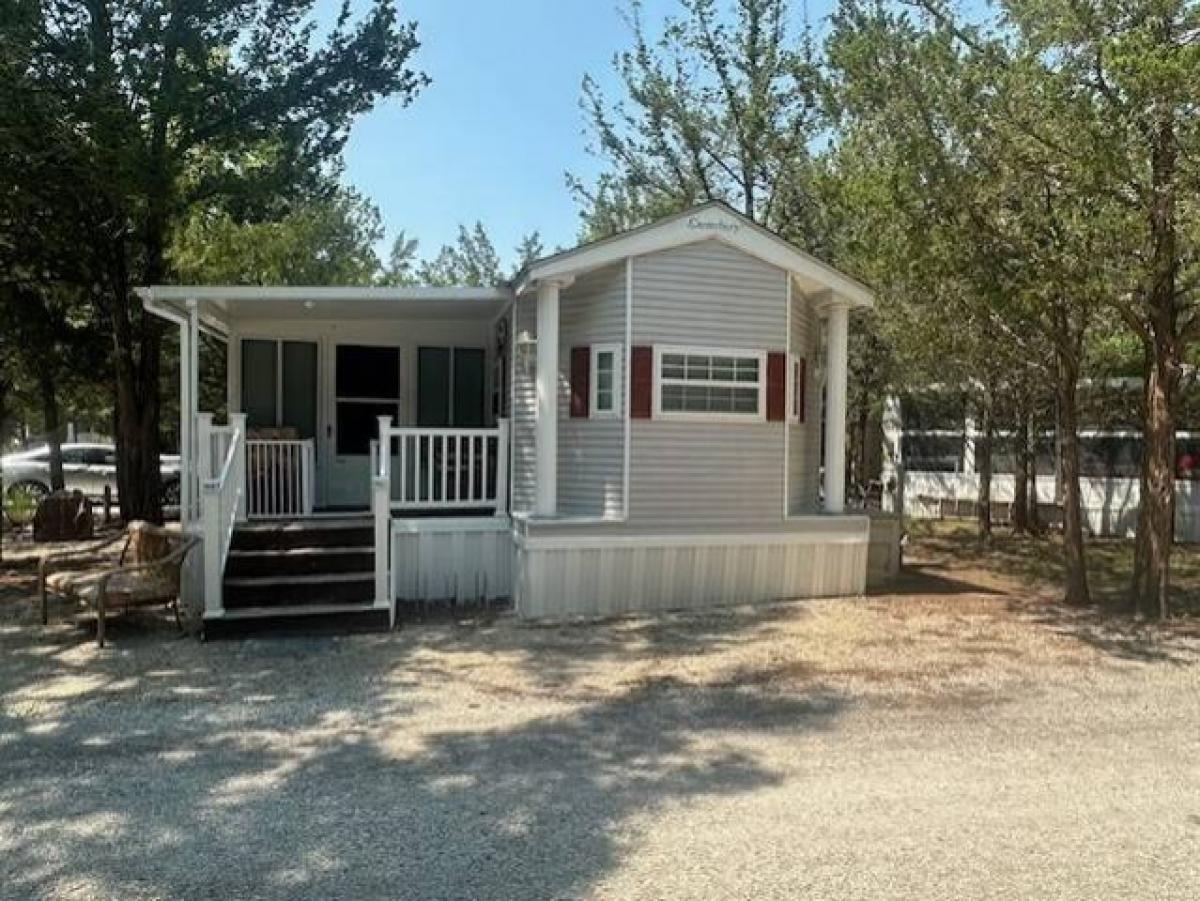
(635, 424)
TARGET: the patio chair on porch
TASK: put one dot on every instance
(146, 573)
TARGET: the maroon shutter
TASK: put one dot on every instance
(801, 385)
(581, 366)
(776, 386)
(641, 396)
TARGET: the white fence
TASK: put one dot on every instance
(279, 477)
(1109, 505)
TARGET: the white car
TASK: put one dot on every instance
(86, 467)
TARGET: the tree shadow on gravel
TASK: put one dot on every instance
(343, 768)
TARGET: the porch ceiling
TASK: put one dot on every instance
(221, 305)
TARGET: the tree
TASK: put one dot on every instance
(527, 251)
(1004, 244)
(327, 241)
(712, 109)
(471, 261)
(402, 262)
(169, 106)
(1110, 107)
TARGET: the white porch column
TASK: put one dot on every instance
(188, 502)
(190, 370)
(837, 350)
(546, 436)
(381, 510)
(238, 421)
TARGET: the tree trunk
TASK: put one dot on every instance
(136, 334)
(1020, 507)
(1076, 590)
(983, 466)
(138, 473)
(1030, 450)
(1156, 514)
(4, 390)
(53, 428)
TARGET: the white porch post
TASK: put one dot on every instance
(546, 438)
(210, 519)
(238, 421)
(381, 509)
(187, 447)
(503, 436)
(836, 363)
(190, 370)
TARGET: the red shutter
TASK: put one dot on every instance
(641, 396)
(801, 386)
(776, 386)
(581, 370)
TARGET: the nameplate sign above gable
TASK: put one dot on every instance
(715, 226)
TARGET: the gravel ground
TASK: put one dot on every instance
(958, 737)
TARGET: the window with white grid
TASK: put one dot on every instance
(709, 383)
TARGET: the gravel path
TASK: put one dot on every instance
(949, 740)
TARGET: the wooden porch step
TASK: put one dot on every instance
(300, 610)
(275, 562)
(299, 590)
(309, 533)
(303, 619)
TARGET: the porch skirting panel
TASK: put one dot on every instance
(452, 558)
(580, 578)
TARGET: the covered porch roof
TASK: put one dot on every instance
(220, 305)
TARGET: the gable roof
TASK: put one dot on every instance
(714, 220)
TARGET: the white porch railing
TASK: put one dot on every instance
(279, 477)
(435, 469)
(444, 469)
(222, 469)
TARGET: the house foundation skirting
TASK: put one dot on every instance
(452, 558)
(562, 578)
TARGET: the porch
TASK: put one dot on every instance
(300, 511)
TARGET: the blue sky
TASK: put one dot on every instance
(492, 136)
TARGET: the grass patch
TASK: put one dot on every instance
(1039, 561)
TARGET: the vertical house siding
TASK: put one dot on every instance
(591, 452)
(686, 474)
(804, 440)
(524, 404)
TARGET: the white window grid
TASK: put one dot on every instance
(667, 373)
(605, 402)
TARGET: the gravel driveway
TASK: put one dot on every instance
(957, 738)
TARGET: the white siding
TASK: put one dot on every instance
(687, 475)
(598, 577)
(591, 452)
(804, 440)
(708, 294)
(524, 405)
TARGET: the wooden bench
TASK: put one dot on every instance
(146, 574)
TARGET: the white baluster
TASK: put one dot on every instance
(445, 464)
(471, 467)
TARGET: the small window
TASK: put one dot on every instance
(606, 381)
(710, 384)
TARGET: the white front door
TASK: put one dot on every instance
(367, 383)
